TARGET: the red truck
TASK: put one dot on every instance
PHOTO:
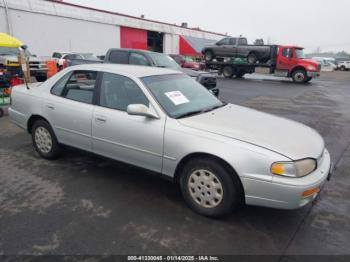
(284, 61)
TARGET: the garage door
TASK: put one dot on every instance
(133, 38)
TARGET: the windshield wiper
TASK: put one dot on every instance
(215, 107)
(201, 111)
(190, 113)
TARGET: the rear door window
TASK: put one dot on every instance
(118, 57)
(232, 41)
(242, 41)
(80, 86)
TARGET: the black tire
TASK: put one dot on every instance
(41, 78)
(1, 112)
(239, 75)
(299, 76)
(55, 149)
(231, 193)
(208, 55)
(227, 72)
(251, 58)
(342, 68)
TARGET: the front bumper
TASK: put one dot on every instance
(313, 74)
(285, 192)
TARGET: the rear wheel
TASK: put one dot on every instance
(209, 189)
(299, 76)
(44, 140)
(208, 55)
(41, 78)
(227, 72)
(251, 58)
(342, 68)
(1, 112)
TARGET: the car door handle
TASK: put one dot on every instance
(49, 106)
(101, 119)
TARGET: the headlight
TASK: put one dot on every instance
(298, 168)
(311, 68)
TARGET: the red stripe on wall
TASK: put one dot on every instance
(186, 48)
(133, 38)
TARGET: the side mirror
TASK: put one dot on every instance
(24, 47)
(140, 110)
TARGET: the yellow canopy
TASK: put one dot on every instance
(9, 41)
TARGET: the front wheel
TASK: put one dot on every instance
(208, 55)
(41, 78)
(1, 112)
(209, 189)
(299, 76)
(45, 141)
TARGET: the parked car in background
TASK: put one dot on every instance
(188, 62)
(148, 58)
(222, 155)
(64, 59)
(327, 63)
(10, 70)
(344, 65)
(237, 47)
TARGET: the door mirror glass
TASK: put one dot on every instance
(140, 110)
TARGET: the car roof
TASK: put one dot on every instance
(133, 70)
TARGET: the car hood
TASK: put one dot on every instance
(193, 73)
(312, 62)
(286, 137)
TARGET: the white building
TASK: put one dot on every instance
(48, 26)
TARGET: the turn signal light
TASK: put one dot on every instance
(311, 192)
(277, 169)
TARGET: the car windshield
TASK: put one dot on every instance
(90, 57)
(300, 53)
(180, 96)
(162, 60)
(12, 51)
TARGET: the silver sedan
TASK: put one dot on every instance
(221, 155)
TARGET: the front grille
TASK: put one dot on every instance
(37, 65)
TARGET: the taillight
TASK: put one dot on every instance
(15, 81)
(65, 64)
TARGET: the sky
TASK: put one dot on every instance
(313, 24)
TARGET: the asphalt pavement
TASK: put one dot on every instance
(84, 204)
